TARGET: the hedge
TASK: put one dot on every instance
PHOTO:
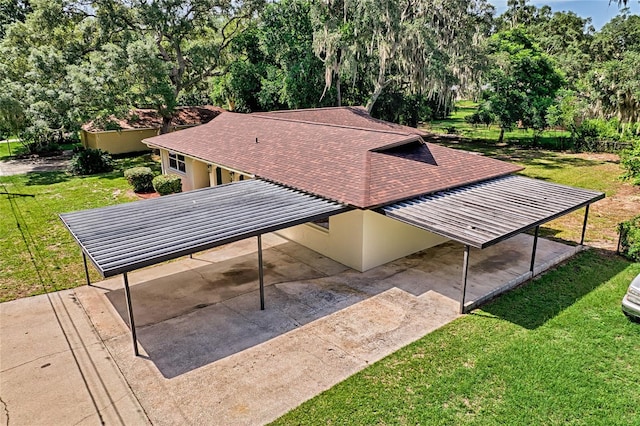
(629, 244)
(140, 178)
(167, 184)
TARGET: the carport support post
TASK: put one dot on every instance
(86, 270)
(584, 224)
(465, 268)
(132, 324)
(533, 252)
(260, 272)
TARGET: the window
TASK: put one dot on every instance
(322, 223)
(176, 162)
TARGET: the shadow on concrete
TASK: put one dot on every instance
(211, 310)
(541, 300)
(195, 317)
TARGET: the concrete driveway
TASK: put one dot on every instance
(210, 356)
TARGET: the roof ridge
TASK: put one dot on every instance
(308, 109)
(315, 123)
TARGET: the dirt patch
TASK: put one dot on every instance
(142, 195)
(598, 156)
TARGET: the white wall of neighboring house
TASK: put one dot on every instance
(360, 239)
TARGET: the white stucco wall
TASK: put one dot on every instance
(342, 242)
(386, 239)
(362, 239)
(197, 173)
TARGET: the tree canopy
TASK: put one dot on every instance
(64, 62)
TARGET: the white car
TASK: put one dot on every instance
(631, 301)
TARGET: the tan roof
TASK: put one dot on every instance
(140, 118)
(359, 166)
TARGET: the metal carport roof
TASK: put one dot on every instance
(130, 236)
(488, 212)
(122, 238)
(485, 213)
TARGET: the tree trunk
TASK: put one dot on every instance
(338, 94)
(501, 137)
(374, 97)
(166, 124)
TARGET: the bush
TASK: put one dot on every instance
(140, 178)
(167, 184)
(629, 245)
(630, 161)
(91, 161)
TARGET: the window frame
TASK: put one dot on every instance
(179, 159)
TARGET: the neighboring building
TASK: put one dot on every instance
(341, 154)
(119, 136)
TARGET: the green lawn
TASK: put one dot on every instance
(15, 147)
(600, 172)
(558, 351)
(456, 125)
(37, 252)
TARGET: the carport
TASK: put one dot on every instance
(483, 214)
(126, 237)
(123, 238)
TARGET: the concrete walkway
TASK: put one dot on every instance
(210, 356)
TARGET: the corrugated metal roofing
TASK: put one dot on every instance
(488, 212)
(126, 237)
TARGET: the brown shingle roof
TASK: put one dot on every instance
(354, 165)
(140, 118)
(351, 116)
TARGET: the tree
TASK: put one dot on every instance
(177, 44)
(421, 46)
(521, 13)
(34, 58)
(12, 11)
(567, 38)
(615, 88)
(613, 84)
(274, 66)
(522, 84)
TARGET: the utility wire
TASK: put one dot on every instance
(34, 254)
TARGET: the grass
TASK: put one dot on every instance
(558, 351)
(38, 254)
(13, 145)
(600, 172)
(456, 125)
(17, 148)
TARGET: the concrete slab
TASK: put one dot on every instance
(211, 356)
(54, 369)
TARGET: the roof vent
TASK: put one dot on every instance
(415, 151)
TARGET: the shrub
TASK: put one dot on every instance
(630, 161)
(91, 161)
(167, 184)
(140, 178)
(629, 245)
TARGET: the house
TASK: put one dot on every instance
(120, 136)
(358, 190)
(340, 154)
